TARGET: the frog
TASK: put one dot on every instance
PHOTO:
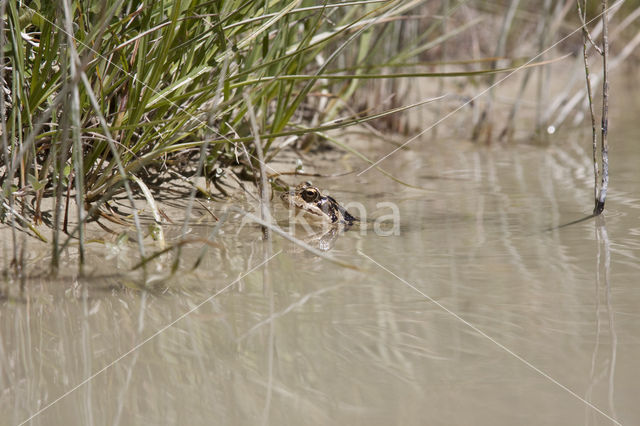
(309, 199)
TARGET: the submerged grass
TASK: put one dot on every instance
(98, 94)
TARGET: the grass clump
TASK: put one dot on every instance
(99, 94)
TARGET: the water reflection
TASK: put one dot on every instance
(603, 285)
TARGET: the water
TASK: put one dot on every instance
(474, 314)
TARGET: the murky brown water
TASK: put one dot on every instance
(474, 315)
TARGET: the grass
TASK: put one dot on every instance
(105, 98)
(105, 94)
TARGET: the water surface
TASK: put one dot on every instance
(474, 314)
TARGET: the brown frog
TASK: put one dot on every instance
(310, 200)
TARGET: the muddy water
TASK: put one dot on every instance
(474, 314)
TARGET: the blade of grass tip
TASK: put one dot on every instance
(294, 240)
(264, 189)
(116, 156)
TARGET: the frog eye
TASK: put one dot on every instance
(309, 195)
